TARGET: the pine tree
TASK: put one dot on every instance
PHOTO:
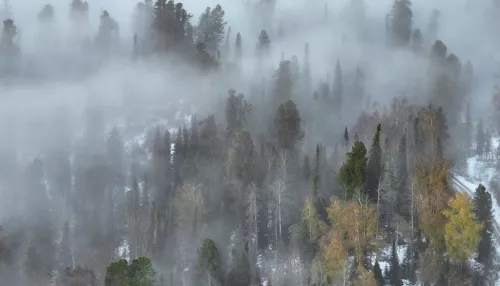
(209, 265)
(374, 167)
(338, 89)
(287, 130)
(352, 174)
(263, 44)
(480, 139)
(401, 22)
(283, 83)
(211, 28)
(394, 268)
(306, 169)
(238, 49)
(346, 139)
(65, 256)
(377, 273)
(468, 129)
(484, 213)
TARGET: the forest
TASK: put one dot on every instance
(272, 142)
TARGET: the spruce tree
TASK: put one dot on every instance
(480, 139)
(374, 167)
(484, 213)
(338, 88)
(352, 174)
(238, 49)
(401, 22)
(377, 273)
(394, 269)
(346, 139)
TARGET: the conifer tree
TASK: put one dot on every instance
(394, 268)
(480, 139)
(352, 174)
(211, 28)
(287, 130)
(484, 213)
(283, 83)
(401, 22)
(346, 139)
(374, 167)
(209, 265)
(338, 88)
(238, 49)
(377, 273)
(468, 129)
(306, 169)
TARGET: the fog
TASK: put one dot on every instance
(62, 94)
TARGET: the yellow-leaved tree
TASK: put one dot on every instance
(432, 194)
(462, 230)
(356, 224)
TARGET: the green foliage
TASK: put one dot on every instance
(484, 213)
(209, 266)
(394, 268)
(374, 167)
(138, 273)
(352, 174)
(287, 129)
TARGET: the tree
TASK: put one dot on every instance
(462, 230)
(107, 36)
(338, 88)
(34, 266)
(238, 49)
(283, 83)
(480, 139)
(484, 213)
(211, 28)
(352, 174)
(346, 139)
(374, 167)
(209, 265)
(65, 256)
(401, 22)
(432, 194)
(263, 44)
(139, 272)
(356, 224)
(287, 130)
(468, 129)
(79, 276)
(377, 273)
(394, 268)
(334, 258)
(46, 14)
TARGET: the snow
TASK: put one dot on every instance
(481, 171)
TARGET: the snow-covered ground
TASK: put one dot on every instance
(482, 171)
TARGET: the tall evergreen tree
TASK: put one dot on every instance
(338, 88)
(352, 174)
(209, 266)
(394, 268)
(484, 213)
(211, 28)
(401, 22)
(374, 167)
(480, 139)
(377, 273)
(238, 53)
(287, 130)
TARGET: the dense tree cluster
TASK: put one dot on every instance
(283, 183)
